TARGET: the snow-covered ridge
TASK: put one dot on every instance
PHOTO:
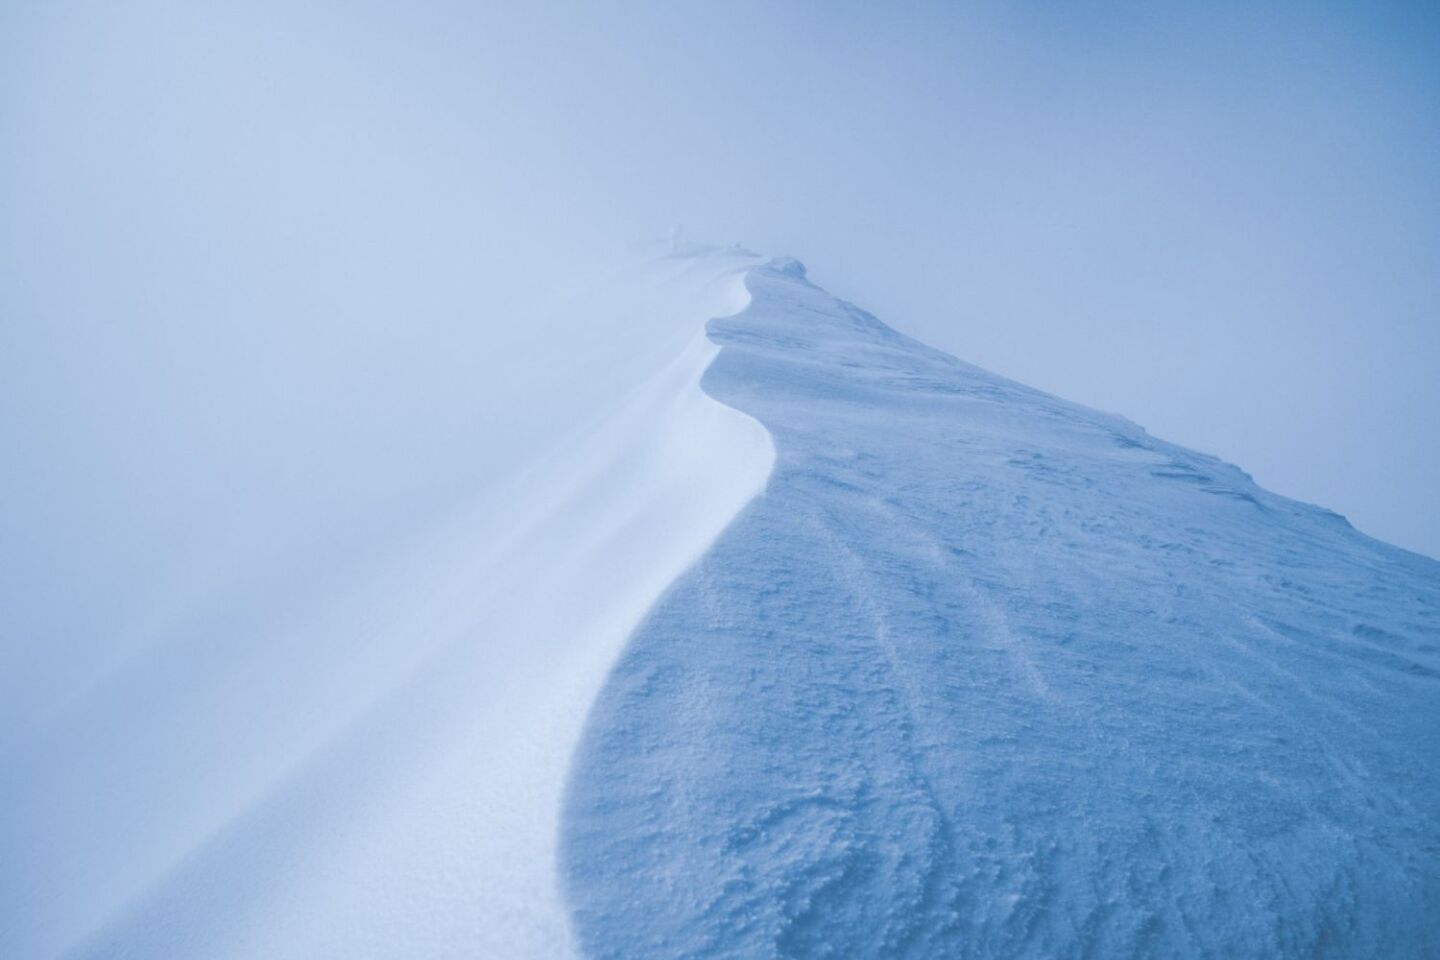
(814, 641)
(381, 775)
(984, 673)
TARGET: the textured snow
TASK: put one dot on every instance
(987, 674)
(375, 769)
(813, 642)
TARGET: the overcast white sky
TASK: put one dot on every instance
(230, 234)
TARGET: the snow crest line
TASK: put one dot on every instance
(988, 674)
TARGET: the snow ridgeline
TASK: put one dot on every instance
(982, 673)
(987, 674)
(377, 771)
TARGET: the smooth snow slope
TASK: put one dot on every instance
(375, 769)
(986, 674)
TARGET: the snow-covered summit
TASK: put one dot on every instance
(983, 673)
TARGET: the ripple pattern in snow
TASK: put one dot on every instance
(987, 674)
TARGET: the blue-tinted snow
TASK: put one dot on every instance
(371, 763)
(987, 674)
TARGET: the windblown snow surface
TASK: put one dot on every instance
(376, 769)
(815, 642)
(984, 673)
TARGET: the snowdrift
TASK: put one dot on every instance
(987, 674)
(380, 773)
(813, 642)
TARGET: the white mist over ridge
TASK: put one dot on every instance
(368, 761)
(1218, 218)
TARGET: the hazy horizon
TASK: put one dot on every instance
(1220, 222)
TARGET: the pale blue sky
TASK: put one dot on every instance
(229, 233)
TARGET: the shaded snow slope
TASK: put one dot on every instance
(987, 674)
(375, 768)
